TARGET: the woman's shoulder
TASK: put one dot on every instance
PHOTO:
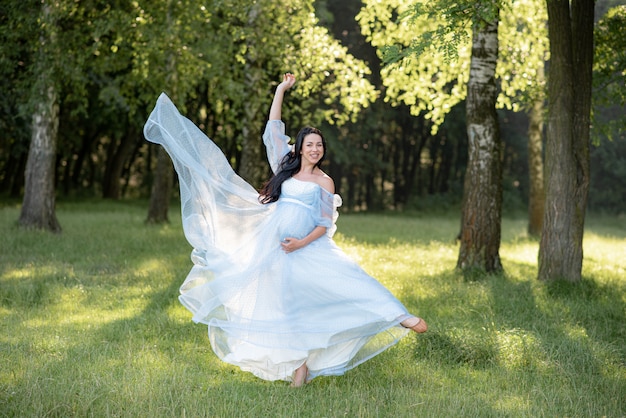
(325, 181)
(320, 178)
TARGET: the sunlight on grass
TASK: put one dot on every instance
(601, 254)
(518, 348)
(576, 332)
(17, 274)
(520, 252)
(92, 326)
(513, 404)
(178, 313)
(150, 267)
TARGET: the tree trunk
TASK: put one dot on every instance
(111, 184)
(164, 173)
(81, 157)
(567, 141)
(406, 158)
(161, 189)
(253, 167)
(13, 170)
(536, 196)
(38, 207)
(482, 195)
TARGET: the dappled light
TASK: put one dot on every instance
(94, 325)
(480, 158)
(518, 349)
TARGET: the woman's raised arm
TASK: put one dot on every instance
(275, 111)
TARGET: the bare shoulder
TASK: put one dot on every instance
(326, 182)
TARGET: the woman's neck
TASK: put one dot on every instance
(306, 169)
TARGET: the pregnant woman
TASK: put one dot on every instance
(280, 299)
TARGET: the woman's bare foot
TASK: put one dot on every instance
(299, 378)
(415, 324)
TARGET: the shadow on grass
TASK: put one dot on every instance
(504, 324)
(607, 316)
(91, 318)
(125, 365)
(455, 349)
(375, 229)
(547, 327)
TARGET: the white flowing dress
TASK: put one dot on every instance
(269, 312)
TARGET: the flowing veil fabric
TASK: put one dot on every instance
(269, 312)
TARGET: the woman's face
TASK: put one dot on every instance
(312, 149)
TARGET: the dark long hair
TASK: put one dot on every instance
(289, 165)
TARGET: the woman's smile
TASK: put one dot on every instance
(312, 148)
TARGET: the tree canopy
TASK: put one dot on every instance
(219, 60)
(430, 50)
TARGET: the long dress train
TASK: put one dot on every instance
(269, 312)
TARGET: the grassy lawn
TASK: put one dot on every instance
(90, 325)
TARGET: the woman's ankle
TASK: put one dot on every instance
(300, 375)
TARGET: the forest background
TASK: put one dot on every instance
(88, 320)
(109, 61)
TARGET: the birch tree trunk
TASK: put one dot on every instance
(536, 196)
(482, 194)
(38, 206)
(570, 30)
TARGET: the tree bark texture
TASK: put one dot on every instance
(567, 143)
(253, 167)
(164, 173)
(161, 189)
(38, 207)
(112, 184)
(482, 195)
(536, 195)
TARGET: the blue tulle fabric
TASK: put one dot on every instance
(269, 312)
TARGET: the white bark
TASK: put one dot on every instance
(38, 207)
(482, 199)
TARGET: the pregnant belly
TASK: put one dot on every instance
(294, 220)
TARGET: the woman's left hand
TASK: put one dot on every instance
(288, 81)
(290, 244)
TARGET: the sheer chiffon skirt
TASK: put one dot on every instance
(268, 312)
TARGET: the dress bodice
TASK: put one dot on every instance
(269, 311)
(304, 191)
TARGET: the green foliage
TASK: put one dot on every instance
(609, 72)
(428, 44)
(607, 191)
(452, 32)
(16, 18)
(142, 48)
(92, 327)
(275, 38)
(109, 61)
(524, 48)
(430, 83)
(340, 84)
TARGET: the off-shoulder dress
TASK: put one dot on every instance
(269, 312)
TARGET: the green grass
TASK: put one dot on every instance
(90, 325)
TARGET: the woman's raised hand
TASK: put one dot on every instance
(288, 81)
